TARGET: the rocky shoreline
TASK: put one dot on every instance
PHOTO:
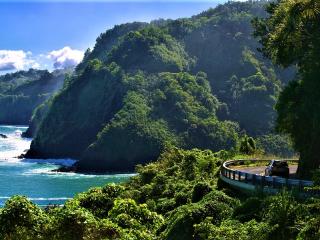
(67, 169)
(3, 135)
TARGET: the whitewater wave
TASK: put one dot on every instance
(37, 171)
(49, 171)
(36, 178)
(13, 146)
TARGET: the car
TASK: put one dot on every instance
(277, 168)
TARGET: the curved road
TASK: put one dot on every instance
(260, 169)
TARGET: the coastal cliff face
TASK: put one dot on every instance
(189, 83)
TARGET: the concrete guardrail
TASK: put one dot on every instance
(270, 184)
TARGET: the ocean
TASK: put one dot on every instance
(35, 178)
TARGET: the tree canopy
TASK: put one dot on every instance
(21, 92)
(191, 82)
(291, 36)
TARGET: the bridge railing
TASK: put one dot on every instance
(263, 181)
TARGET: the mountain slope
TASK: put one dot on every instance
(23, 91)
(187, 82)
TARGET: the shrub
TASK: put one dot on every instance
(200, 190)
(21, 219)
(231, 229)
(247, 145)
(250, 209)
(311, 230)
(100, 200)
(127, 213)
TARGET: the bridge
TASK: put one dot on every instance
(251, 181)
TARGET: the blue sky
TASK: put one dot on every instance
(45, 34)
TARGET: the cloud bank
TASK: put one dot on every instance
(65, 57)
(16, 60)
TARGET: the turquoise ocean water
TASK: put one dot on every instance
(35, 179)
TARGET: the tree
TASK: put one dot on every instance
(291, 36)
(247, 145)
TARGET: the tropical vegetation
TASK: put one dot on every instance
(180, 97)
(291, 36)
(21, 92)
(177, 197)
(196, 82)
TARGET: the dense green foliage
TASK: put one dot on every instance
(177, 197)
(23, 91)
(192, 82)
(156, 110)
(221, 41)
(247, 145)
(277, 145)
(291, 36)
(151, 89)
(180, 112)
(151, 50)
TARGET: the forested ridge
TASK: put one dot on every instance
(124, 110)
(21, 92)
(196, 82)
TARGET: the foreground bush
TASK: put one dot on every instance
(175, 198)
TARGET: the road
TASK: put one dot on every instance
(260, 169)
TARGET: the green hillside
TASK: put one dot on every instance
(197, 82)
(23, 91)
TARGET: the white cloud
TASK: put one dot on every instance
(16, 60)
(65, 57)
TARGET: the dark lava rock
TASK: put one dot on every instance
(3, 136)
(72, 168)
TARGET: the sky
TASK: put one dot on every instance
(53, 34)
